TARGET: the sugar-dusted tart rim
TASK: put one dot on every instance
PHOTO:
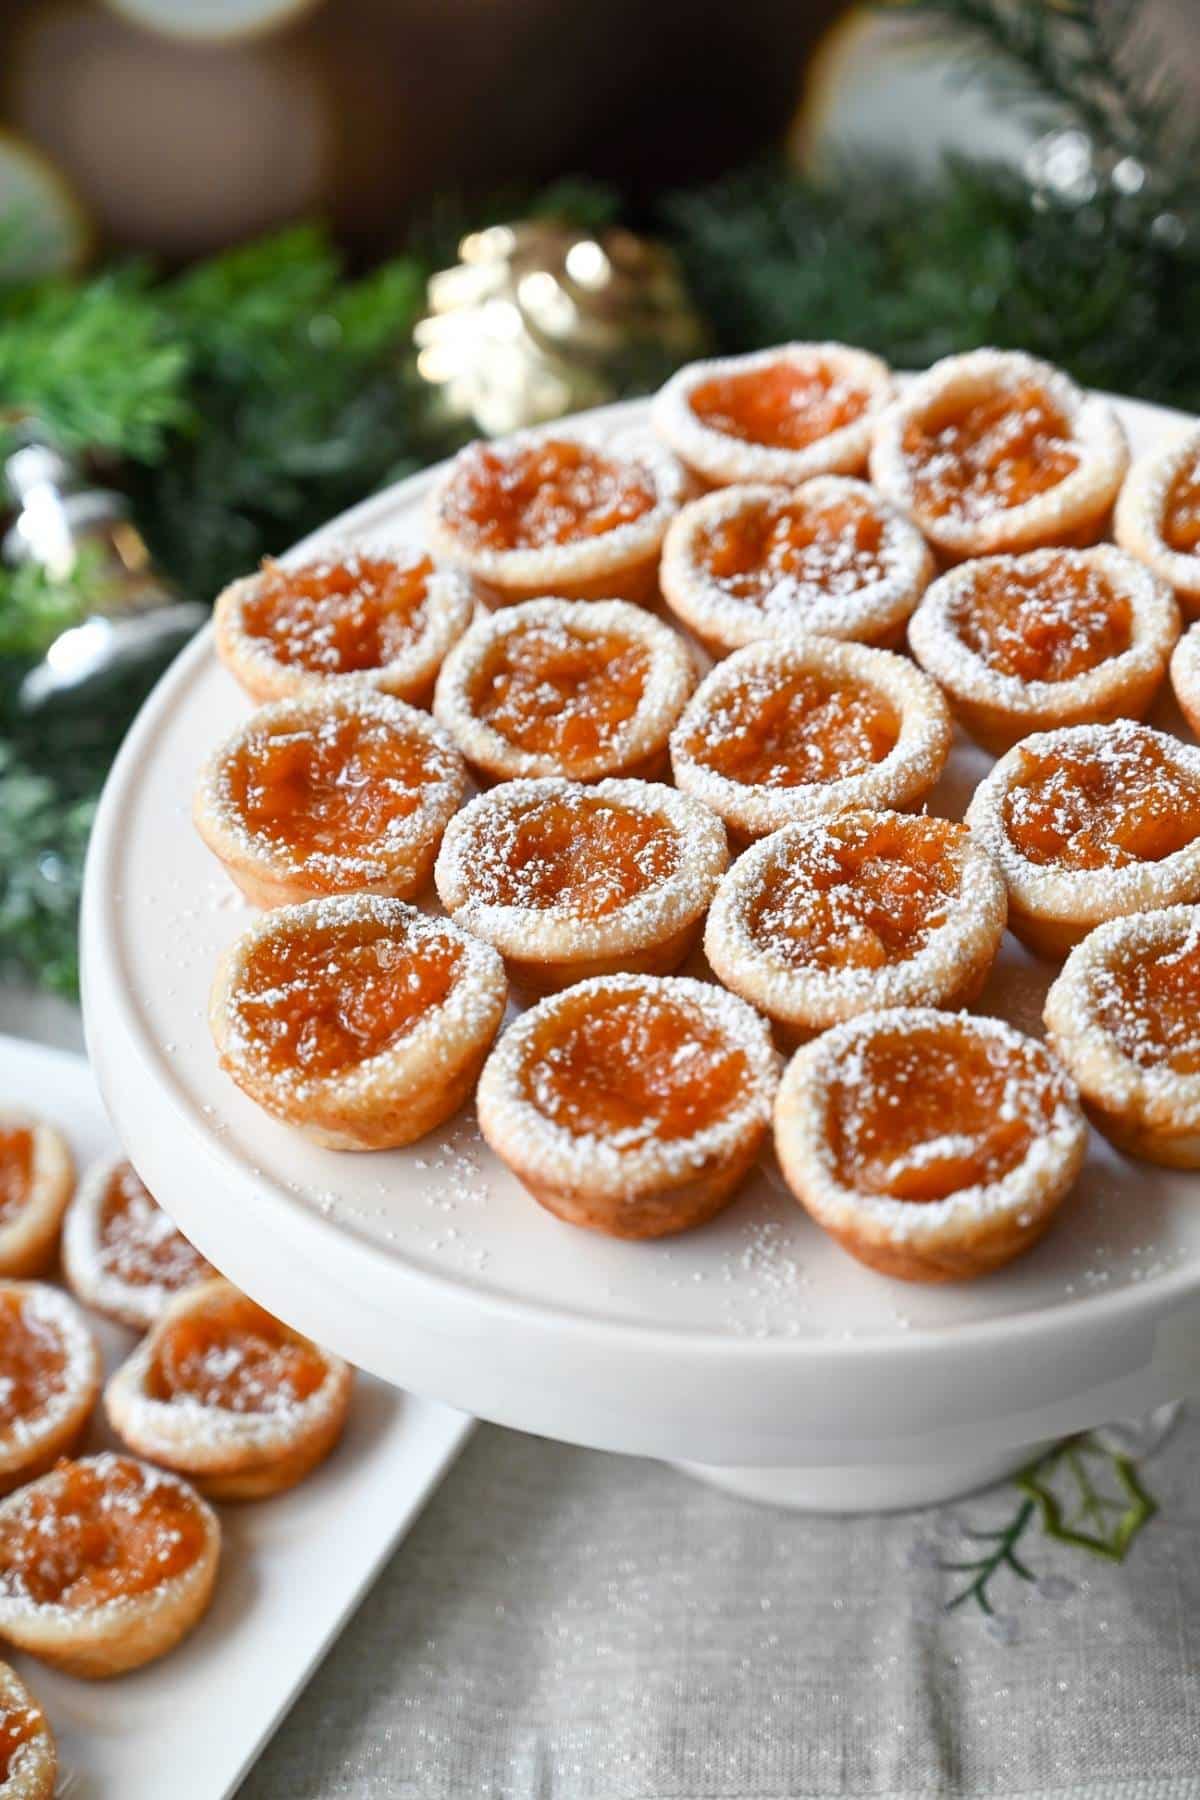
(876, 611)
(1081, 898)
(670, 679)
(450, 602)
(925, 1228)
(27, 1242)
(396, 863)
(967, 678)
(35, 1767)
(136, 1305)
(30, 1443)
(955, 956)
(901, 778)
(541, 568)
(1185, 675)
(588, 1163)
(1137, 519)
(1079, 501)
(553, 934)
(721, 459)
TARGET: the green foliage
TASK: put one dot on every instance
(43, 835)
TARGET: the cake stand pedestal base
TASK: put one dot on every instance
(867, 1487)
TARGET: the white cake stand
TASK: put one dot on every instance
(753, 1348)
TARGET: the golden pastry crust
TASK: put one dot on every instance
(32, 1772)
(620, 562)
(741, 716)
(1053, 903)
(831, 557)
(271, 664)
(1064, 592)
(1112, 1041)
(1185, 675)
(50, 1418)
(627, 1165)
(121, 1254)
(96, 1638)
(834, 917)
(345, 953)
(568, 881)
(852, 387)
(631, 742)
(29, 1227)
(1072, 509)
(369, 782)
(954, 1232)
(1139, 517)
(270, 1442)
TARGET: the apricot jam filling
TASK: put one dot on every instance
(633, 1069)
(19, 1725)
(1151, 1006)
(991, 454)
(858, 896)
(539, 495)
(338, 618)
(586, 855)
(97, 1530)
(331, 788)
(1045, 624)
(920, 1115)
(787, 405)
(16, 1170)
(139, 1245)
(1181, 514)
(796, 549)
(319, 1002)
(552, 691)
(33, 1358)
(235, 1357)
(782, 731)
(1103, 808)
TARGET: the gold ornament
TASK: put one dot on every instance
(539, 319)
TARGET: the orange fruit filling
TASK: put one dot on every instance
(579, 852)
(18, 1726)
(234, 1356)
(860, 895)
(633, 1068)
(98, 1530)
(1102, 809)
(550, 691)
(1181, 514)
(16, 1170)
(796, 550)
(1151, 1005)
(785, 730)
(1048, 624)
(139, 1245)
(32, 1360)
(337, 618)
(319, 1002)
(919, 1115)
(989, 454)
(787, 405)
(537, 495)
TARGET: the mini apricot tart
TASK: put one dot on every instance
(782, 732)
(1124, 1016)
(359, 1019)
(387, 616)
(995, 451)
(834, 917)
(753, 562)
(779, 415)
(1089, 823)
(576, 512)
(122, 1254)
(49, 1379)
(224, 1394)
(1053, 637)
(105, 1564)
(330, 793)
(568, 881)
(37, 1178)
(28, 1756)
(1157, 516)
(631, 1104)
(581, 689)
(932, 1146)
(1185, 675)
